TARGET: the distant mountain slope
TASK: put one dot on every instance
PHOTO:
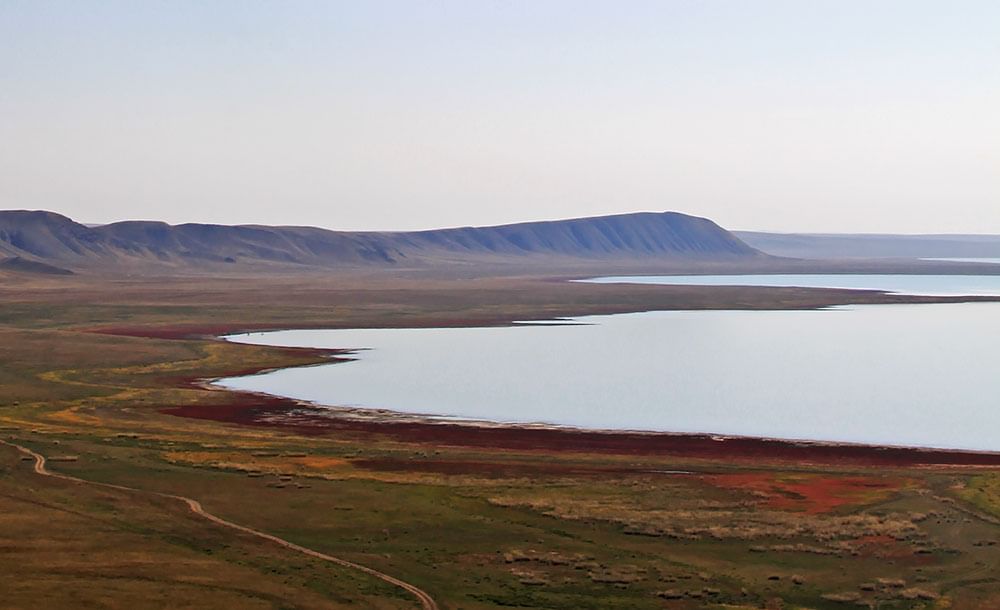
(666, 234)
(57, 240)
(833, 246)
(20, 265)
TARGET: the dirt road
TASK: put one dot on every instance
(426, 601)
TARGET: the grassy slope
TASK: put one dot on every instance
(477, 528)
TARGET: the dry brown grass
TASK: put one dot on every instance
(64, 545)
(101, 396)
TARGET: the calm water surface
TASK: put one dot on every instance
(923, 285)
(926, 375)
(992, 261)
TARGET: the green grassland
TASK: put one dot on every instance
(476, 528)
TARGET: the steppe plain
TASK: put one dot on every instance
(105, 376)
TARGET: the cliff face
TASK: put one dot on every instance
(56, 240)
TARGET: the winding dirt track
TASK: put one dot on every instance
(426, 601)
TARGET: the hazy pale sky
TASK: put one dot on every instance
(797, 115)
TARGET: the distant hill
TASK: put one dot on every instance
(53, 239)
(869, 246)
(17, 264)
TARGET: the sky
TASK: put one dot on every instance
(818, 115)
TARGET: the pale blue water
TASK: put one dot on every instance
(923, 285)
(992, 261)
(926, 375)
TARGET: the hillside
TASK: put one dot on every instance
(56, 240)
(17, 264)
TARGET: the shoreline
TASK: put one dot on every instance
(242, 408)
(373, 415)
(735, 300)
(317, 411)
(311, 419)
(279, 413)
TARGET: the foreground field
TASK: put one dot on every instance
(100, 377)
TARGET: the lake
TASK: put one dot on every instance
(920, 375)
(992, 261)
(917, 285)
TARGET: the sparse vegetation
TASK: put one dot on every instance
(479, 527)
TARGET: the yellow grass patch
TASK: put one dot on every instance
(317, 462)
(247, 461)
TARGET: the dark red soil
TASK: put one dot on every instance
(281, 413)
(806, 493)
